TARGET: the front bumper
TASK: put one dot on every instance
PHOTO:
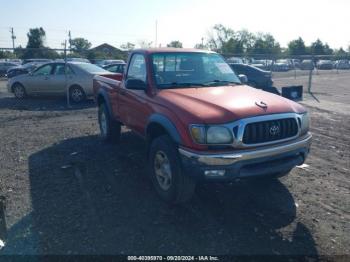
(273, 159)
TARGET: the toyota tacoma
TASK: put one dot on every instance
(201, 123)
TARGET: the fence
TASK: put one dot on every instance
(285, 70)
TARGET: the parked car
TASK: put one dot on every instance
(307, 65)
(22, 69)
(200, 123)
(115, 68)
(235, 60)
(36, 60)
(295, 63)
(325, 65)
(342, 64)
(259, 64)
(256, 76)
(4, 66)
(53, 79)
(103, 63)
(281, 65)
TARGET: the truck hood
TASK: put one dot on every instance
(217, 105)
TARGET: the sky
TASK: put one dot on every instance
(120, 21)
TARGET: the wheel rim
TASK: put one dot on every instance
(19, 92)
(77, 94)
(103, 124)
(162, 170)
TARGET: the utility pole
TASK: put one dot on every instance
(156, 42)
(13, 37)
(65, 72)
(70, 40)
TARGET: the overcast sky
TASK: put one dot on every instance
(119, 21)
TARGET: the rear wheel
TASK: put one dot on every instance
(76, 94)
(109, 128)
(19, 91)
(167, 176)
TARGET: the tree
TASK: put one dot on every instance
(128, 46)
(318, 48)
(219, 36)
(80, 45)
(265, 44)
(340, 53)
(36, 45)
(36, 38)
(297, 47)
(176, 44)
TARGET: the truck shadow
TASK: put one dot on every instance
(92, 198)
(42, 104)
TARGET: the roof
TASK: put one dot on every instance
(171, 50)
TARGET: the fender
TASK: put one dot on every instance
(103, 93)
(166, 124)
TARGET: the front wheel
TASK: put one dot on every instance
(109, 129)
(167, 176)
(76, 94)
(19, 91)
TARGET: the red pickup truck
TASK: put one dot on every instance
(200, 122)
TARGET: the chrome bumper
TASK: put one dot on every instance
(251, 154)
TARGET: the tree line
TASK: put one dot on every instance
(221, 39)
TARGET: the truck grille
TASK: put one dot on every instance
(268, 131)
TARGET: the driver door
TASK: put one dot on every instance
(133, 109)
(39, 81)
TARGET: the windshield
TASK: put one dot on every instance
(191, 69)
(90, 68)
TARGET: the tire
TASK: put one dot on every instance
(109, 128)
(76, 94)
(19, 91)
(167, 176)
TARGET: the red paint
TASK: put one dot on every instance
(185, 106)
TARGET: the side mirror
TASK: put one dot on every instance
(135, 84)
(243, 78)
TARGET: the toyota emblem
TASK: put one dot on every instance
(274, 130)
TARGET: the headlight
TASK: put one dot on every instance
(211, 134)
(305, 123)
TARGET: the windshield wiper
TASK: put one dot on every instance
(177, 84)
(209, 83)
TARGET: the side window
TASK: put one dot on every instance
(43, 71)
(137, 68)
(59, 70)
(113, 68)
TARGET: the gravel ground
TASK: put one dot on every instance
(66, 192)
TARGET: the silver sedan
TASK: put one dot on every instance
(54, 79)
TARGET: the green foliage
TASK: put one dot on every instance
(297, 47)
(176, 44)
(318, 48)
(265, 44)
(36, 38)
(36, 46)
(227, 41)
(6, 55)
(80, 45)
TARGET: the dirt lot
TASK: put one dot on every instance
(66, 192)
